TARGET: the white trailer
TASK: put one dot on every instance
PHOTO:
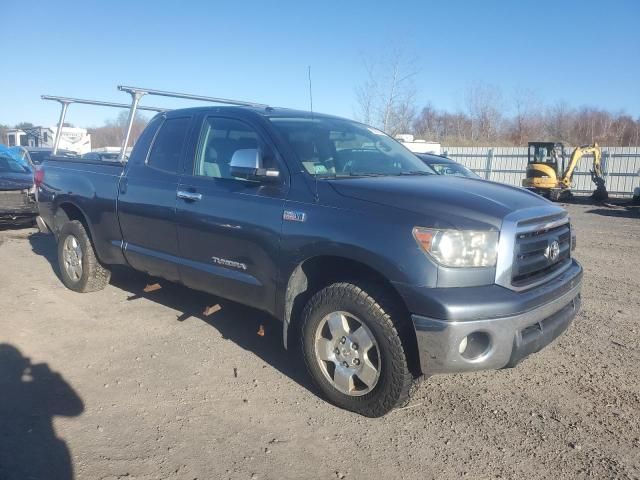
(73, 139)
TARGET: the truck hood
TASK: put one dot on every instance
(443, 201)
(15, 181)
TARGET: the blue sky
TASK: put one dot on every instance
(582, 52)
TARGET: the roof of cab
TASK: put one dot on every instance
(262, 111)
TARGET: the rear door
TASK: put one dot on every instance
(147, 197)
(229, 228)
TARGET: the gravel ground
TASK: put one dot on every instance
(143, 385)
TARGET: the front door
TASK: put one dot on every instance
(229, 228)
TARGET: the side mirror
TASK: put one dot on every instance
(247, 164)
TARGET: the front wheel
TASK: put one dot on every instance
(80, 269)
(353, 350)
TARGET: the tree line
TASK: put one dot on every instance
(559, 123)
(111, 134)
(387, 99)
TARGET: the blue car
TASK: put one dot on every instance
(446, 166)
(34, 156)
(17, 202)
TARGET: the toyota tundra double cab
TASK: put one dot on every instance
(382, 270)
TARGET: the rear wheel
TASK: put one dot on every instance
(353, 350)
(80, 269)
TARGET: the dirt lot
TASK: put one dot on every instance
(143, 385)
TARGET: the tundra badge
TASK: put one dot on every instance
(229, 263)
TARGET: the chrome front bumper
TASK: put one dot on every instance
(510, 338)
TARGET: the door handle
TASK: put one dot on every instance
(190, 196)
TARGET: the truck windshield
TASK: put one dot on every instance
(328, 147)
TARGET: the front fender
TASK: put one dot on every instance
(374, 242)
(377, 239)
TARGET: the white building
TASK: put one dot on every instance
(73, 139)
(419, 146)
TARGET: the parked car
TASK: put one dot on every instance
(17, 202)
(102, 156)
(36, 155)
(380, 269)
(446, 166)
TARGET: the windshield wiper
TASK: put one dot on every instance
(367, 174)
(358, 174)
(416, 172)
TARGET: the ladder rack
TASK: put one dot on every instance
(137, 93)
(66, 101)
(189, 96)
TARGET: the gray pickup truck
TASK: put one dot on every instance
(382, 270)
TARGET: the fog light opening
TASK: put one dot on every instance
(463, 345)
(474, 345)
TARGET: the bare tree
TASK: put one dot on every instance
(559, 121)
(527, 124)
(442, 126)
(485, 105)
(112, 133)
(3, 133)
(367, 95)
(386, 99)
(428, 123)
(398, 93)
(401, 117)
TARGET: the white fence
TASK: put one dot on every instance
(620, 166)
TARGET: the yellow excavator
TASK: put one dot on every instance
(550, 175)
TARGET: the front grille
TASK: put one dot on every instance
(16, 201)
(532, 260)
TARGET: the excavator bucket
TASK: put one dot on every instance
(600, 194)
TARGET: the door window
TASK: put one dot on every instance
(168, 145)
(220, 138)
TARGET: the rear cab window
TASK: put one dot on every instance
(168, 145)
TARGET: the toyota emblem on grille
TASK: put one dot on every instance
(553, 251)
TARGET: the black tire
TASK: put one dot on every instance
(94, 275)
(372, 308)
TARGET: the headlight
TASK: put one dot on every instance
(459, 248)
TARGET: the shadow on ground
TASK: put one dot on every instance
(614, 207)
(625, 212)
(234, 321)
(30, 396)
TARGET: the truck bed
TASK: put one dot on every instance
(93, 186)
